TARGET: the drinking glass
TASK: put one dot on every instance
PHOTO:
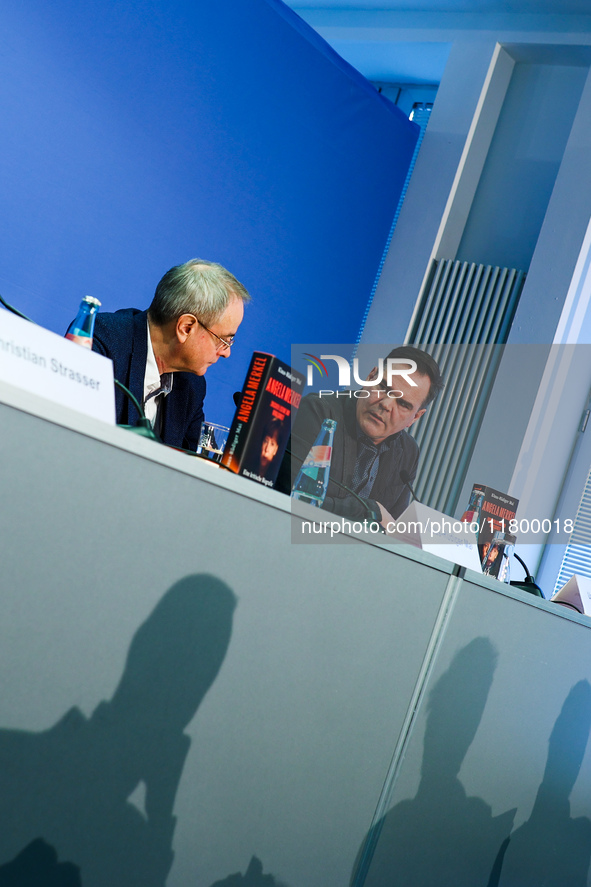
(212, 441)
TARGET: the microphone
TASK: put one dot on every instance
(143, 426)
(237, 398)
(405, 478)
(15, 310)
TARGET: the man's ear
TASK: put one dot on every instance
(373, 374)
(185, 323)
(418, 415)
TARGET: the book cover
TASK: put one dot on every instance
(260, 429)
(493, 511)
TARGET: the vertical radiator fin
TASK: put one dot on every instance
(468, 305)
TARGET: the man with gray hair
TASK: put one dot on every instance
(162, 354)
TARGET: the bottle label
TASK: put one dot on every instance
(85, 341)
(319, 456)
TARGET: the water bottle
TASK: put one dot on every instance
(81, 330)
(472, 513)
(311, 483)
(496, 560)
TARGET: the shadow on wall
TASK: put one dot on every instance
(253, 877)
(441, 835)
(70, 785)
(37, 866)
(551, 849)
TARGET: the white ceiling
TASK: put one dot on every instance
(345, 25)
(519, 7)
(392, 62)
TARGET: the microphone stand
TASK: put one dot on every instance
(15, 310)
(143, 426)
(405, 478)
(528, 584)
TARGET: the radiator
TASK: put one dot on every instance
(462, 319)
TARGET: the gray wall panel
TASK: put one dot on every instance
(480, 750)
(290, 746)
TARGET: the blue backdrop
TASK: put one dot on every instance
(138, 134)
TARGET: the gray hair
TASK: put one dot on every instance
(204, 289)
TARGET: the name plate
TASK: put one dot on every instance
(45, 364)
(576, 594)
(438, 533)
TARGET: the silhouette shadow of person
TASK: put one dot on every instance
(253, 877)
(441, 837)
(70, 785)
(551, 849)
(37, 866)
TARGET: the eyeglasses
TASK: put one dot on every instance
(384, 389)
(225, 343)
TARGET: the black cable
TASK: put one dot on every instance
(143, 426)
(132, 398)
(570, 606)
(405, 478)
(529, 583)
(528, 576)
(15, 310)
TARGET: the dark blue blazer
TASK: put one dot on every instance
(123, 336)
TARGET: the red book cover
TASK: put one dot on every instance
(493, 511)
(260, 429)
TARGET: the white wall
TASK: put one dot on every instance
(503, 177)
